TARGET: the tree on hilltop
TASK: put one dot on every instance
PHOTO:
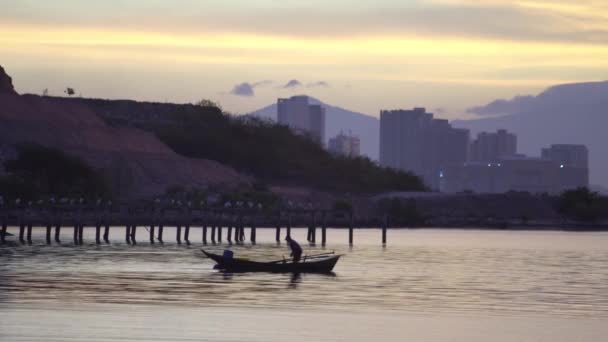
(69, 91)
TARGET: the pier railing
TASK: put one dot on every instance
(213, 225)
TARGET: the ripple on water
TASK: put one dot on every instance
(420, 271)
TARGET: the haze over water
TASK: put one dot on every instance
(426, 285)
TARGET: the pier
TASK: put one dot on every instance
(204, 226)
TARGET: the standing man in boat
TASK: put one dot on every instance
(296, 250)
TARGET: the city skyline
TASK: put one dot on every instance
(448, 55)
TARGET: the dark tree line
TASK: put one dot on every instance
(273, 153)
(583, 205)
(41, 172)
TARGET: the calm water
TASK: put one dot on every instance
(426, 285)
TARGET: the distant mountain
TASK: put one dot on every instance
(337, 120)
(570, 114)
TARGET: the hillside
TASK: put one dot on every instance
(337, 120)
(569, 114)
(136, 161)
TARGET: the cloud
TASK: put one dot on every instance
(530, 20)
(243, 89)
(247, 88)
(292, 84)
(320, 84)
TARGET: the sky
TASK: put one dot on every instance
(364, 55)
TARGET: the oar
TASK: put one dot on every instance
(320, 254)
(317, 256)
(278, 261)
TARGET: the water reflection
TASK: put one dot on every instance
(296, 278)
(428, 272)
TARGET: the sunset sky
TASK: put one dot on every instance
(363, 55)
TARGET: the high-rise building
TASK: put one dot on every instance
(573, 161)
(302, 117)
(347, 145)
(493, 146)
(412, 140)
(568, 155)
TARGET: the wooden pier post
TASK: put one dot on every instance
(22, 233)
(160, 233)
(350, 230)
(289, 226)
(106, 233)
(229, 234)
(80, 233)
(384, 228)
(219, 233)
(213, 234)
(76, 228)
(178, 234)
(242, 232)
(98, 234)
(253, 234)
(187, 234)
(133, 233)
(128, 234)
(29, 233)
(58, 233)
(151, 234)
(3, 232)
(48, 234)
(324, 231)
(313, 234)
(204, 234)
(277, 234)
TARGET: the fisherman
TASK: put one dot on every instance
(296, 250)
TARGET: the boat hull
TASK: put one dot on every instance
(324, 265)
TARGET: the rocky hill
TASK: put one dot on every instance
(6, 83)
(135, 160)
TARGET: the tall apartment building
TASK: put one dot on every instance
(493, 146)
(347, 145)
(573, 161)
(412, 140)
(302, 117)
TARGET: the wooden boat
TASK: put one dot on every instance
(313, 264)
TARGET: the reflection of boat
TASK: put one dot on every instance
(312, 264)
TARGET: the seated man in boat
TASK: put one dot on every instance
(296, 250)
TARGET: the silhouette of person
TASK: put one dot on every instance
(296, 250)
